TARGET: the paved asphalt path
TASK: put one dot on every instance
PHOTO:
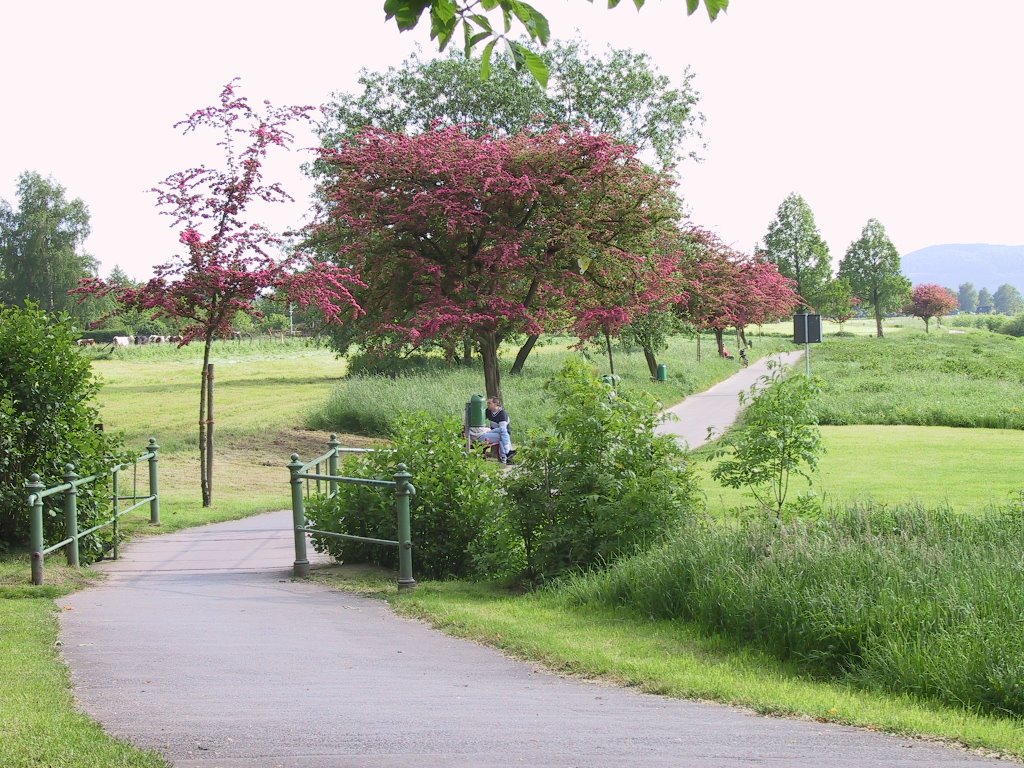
(200, 646)
(717, 407)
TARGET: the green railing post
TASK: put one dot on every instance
(116, 525)
(403, 490)
(35, 486)
(71, 516)
(154, 485)
(300, 568)
(332, 463)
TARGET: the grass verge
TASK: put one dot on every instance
(39, 725)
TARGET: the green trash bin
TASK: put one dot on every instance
(662, 372)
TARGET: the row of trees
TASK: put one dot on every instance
(869, 273)
(1007, 300)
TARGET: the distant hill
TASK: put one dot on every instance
(986, 266)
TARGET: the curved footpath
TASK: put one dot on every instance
(200, 646)
(717, 407)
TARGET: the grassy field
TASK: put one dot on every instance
(265, 393)
(968, 470)
(372, 404)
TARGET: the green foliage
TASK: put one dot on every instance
(795, 246)
(872, 268)
(40, 247)
(952, 380)
(447, 16)
(455, 497)
(901, 600)
(47, 418)
(778, 437)
(599, 484)
(1008, 300)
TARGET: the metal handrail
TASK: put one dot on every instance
(403, 490)
(69, 489)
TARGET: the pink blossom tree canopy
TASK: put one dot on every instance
(484, 237)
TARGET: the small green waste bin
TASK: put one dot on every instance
(475, 412)
(662, 372)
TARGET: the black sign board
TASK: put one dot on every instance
(806, 328)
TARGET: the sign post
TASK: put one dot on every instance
(807, 331)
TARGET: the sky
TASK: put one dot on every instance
(908, 111)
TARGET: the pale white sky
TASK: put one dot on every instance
(909, 111)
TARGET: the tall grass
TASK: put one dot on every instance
(372, 405)
(907, 600)
(939, 379)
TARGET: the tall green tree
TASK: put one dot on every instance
(1007, 300)
(967, 296)
(872, 268)
(795, 246)
(986, 300)
(41, 256)
(619, 92)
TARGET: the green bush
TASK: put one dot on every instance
(47, 418)
(903, 600)
(456, 496)
(596, 486)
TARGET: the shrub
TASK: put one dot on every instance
(456, 495)
(596, 486)
(47, 419)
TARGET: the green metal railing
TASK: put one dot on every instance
(37, 492)
(331, 480)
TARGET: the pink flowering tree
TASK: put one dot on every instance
(930, 300)
(485, 237)
(621, 294)
(763, 295)
(228, 260)
(728, 289)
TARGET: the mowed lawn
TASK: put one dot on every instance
(261, 395)
(971, 470)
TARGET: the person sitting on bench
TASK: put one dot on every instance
(498, 434)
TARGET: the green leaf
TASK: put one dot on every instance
(523, 56)
(485, 60)
(714, 7)
(406, 13)
(536, 23)
(471, 40)
(482, 21)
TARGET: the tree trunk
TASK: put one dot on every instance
(467, 351)
(608, 346)
(720, 340)
(524, 352)
(878, 321)
(652, 361)
(489, 355)
(203, 476)
(698, 346)
(209, 434)
(926, 325)
(741, 337)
